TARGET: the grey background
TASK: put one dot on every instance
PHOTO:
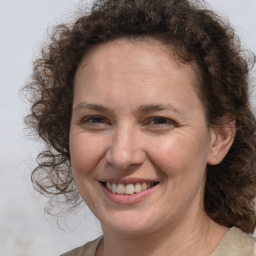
(24, 229)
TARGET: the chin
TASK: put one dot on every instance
(128, 226)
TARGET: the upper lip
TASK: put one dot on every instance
(126, 181)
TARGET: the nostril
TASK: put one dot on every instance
(125, 152)
(125, 161)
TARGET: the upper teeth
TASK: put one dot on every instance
(128, 189)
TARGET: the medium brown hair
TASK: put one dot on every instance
(197, 35)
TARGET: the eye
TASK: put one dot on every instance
(160, 123)
(95, 120)
(95, 123)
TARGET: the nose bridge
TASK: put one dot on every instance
(125, 150)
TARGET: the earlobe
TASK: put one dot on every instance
(222, 137)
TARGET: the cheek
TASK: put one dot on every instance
(86, 152)
(169, 157)
(179, 155)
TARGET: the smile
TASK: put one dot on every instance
(128, 189)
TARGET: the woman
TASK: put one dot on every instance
(144, 109)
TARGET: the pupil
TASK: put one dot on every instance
(97, 120)
(160, 121)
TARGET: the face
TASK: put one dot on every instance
(139, 140)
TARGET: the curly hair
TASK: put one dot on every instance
(197, 35)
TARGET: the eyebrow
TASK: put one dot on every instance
(149, 108)
(96, 107)
(157, 107)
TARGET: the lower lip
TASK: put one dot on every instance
(127, 199)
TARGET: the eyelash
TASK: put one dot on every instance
(167, 121)
(101, 122)
(93, 118)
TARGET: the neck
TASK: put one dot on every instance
(197, 237)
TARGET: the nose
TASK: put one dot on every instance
(126, 149)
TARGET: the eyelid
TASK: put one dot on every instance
(85, 120)
(169, 122)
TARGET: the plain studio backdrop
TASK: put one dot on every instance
(24, 228)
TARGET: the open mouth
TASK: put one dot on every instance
(128, 189)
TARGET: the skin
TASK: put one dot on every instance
(122, 139)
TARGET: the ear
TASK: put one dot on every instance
(222, 137)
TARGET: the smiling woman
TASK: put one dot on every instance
(128, 147)
(144, 108)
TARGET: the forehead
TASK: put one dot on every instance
(112, 46)
(123, 67)
(146, 51)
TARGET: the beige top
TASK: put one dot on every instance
(234, 243)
